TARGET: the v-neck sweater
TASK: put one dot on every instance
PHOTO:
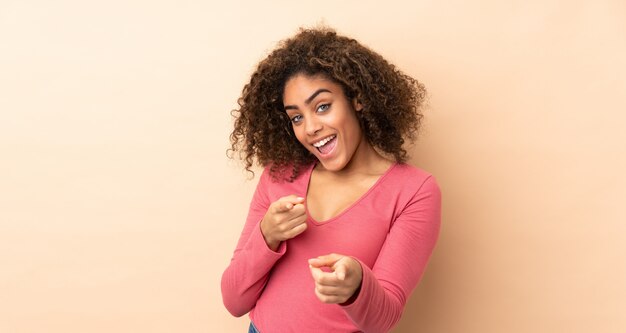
(390, 230)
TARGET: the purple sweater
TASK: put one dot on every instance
(391, 230)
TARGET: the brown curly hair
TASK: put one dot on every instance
(391, 100)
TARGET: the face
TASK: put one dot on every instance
(323, 119)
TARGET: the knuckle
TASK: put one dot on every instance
(319, 295)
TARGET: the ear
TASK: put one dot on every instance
(357, 105)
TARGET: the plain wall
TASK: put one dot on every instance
(119, 209)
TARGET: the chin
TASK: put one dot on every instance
(332, 165)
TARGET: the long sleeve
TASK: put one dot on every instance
(246, 275)
(400, 264)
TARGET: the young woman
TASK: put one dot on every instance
(340, 229)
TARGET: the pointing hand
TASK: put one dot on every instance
(285, 219)
(342, 284)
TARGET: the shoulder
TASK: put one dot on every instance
(411, 183)
(278, 183)
(406, 169)
(417, 191)
(284, 174)
(413, 176)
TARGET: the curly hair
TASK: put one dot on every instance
(391, 100)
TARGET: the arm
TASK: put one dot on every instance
(246, 275)
(400, 264)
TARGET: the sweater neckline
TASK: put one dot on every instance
(352, 205)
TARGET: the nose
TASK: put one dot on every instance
(312, 125)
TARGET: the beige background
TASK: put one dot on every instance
(119, 209)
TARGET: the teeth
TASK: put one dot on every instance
(323, 142)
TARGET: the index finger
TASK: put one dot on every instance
(292, 198)
(286, 203)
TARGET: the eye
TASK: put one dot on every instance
(323, 107)
(296, 119)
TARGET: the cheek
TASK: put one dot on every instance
(351, 126)
(299, 134)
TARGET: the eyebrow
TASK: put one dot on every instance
(308, 100)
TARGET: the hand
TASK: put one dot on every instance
(285, 219)
(339, 285)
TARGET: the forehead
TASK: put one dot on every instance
(300, 87)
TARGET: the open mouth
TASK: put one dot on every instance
(326, 145)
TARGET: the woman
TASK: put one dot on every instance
(340, 229)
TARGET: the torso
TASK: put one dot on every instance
(361, 230)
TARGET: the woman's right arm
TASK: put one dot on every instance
(246, 275)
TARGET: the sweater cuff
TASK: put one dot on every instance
(360, 306)
(257, 243)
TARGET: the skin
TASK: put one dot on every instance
(319, 108)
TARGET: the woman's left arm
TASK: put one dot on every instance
(385, 288)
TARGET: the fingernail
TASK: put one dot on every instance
(300, 198)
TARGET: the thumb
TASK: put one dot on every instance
(325, 261)
(340, 271)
